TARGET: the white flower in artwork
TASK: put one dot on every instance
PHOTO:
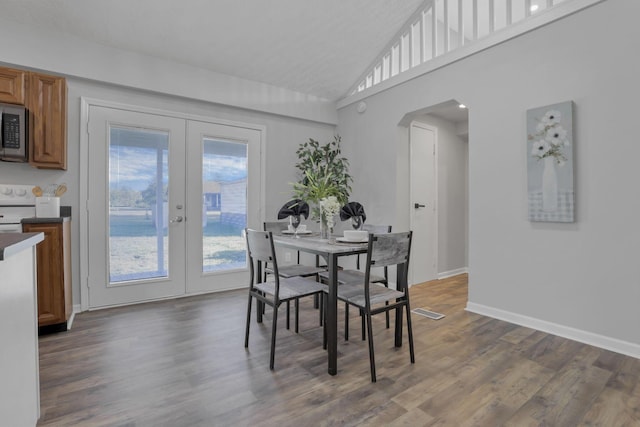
(540, 148)
(556, 135)
(550, 138)
(551, 118)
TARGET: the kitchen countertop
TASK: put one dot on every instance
(65, 215)
(12, 243)
(36, 220)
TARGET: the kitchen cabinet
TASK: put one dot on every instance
(12, 85)
(45, 97)
(54, 272)
(47, 105)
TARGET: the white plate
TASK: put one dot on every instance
(299, 232)
(345, 240)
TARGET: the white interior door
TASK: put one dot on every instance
(223, 197)
(136, 200)
(423, 190)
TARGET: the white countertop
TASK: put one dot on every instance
(12, 243)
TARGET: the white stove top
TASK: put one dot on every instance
(16, 202)
(17, 195)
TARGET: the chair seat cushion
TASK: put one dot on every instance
(292, 288)
(296, 270)
(354, 294)
(353, 277)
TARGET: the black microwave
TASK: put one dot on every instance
(13, 133)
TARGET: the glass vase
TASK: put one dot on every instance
(325, 231)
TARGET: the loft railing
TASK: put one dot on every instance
(442, 26)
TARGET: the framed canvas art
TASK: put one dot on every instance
(550, 163)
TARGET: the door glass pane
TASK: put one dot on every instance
(224, 207)
(138, 204)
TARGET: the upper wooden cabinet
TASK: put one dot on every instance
(12, 85)
(47, 105)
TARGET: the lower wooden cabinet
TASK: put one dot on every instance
(54, 273)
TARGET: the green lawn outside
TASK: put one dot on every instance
(134, 253)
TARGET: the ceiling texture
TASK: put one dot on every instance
(318, 48)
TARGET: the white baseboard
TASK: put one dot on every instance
(451, 273)
(77, 308)
(601, 341)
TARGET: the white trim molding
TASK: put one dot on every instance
(601, 341)
(451, 273)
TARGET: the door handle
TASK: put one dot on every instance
(176, 219)
(418, 205)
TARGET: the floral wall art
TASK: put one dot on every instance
(550, 163)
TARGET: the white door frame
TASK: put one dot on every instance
(85, 104)
(435, 192)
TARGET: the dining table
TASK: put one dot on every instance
(331, 250)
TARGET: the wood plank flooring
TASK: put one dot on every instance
(182, 363)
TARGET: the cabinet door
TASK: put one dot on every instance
(47, 104)
(50, 267)
(12, 89)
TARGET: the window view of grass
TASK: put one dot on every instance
(138, 192)
(134, 245)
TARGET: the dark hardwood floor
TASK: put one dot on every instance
(182, 363)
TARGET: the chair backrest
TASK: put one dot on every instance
(260, 246)
(376, 229)
(275, 226)
(389, 249)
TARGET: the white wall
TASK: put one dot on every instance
(282, 138)
(580, 279)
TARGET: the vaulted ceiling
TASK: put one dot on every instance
(314, 47)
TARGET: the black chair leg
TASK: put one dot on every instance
(296, 304)
(387, 314)
(372, 360)
(273, 337)
(288, 315)
(324, 326)
(410, 334)
(346, 321)
(246, 334)
(363, 325)
(386, 285)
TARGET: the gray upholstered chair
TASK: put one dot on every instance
(373, 298)
(351, 276)
(292, 270)
(273, 293)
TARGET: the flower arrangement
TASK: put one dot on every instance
(329, 208)
(550, 138)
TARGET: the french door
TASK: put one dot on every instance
(168, 199)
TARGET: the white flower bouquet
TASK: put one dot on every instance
(329, 208)
(550, 138)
